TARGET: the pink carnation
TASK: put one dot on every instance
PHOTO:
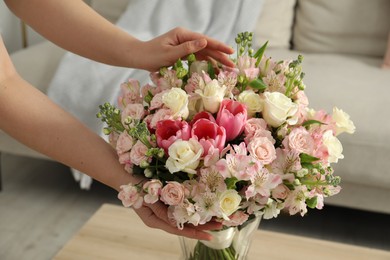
(130, 196)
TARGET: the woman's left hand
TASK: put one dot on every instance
(166, 49)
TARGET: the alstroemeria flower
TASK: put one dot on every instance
(212, 94)
(168, 131)
(232, 116)
(209, 134)
(247, 67)
(130, 93)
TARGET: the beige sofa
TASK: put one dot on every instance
(343, 44)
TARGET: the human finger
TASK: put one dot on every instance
(153, 221)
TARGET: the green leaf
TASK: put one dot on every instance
(259, 54)
(210, 70)
(312, 202)
(258, 84)
(305, 158)
(231, 182)
(310, 122)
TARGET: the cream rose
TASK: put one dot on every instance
(184, 156)
(252, 101)
(278, 108)
(343, 122)
(229, 202)
(334, 146)
(176, 100)
(212, 95)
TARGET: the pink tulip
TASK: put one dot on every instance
(168, 131)
(200, 115)
(209, 134)
(232, 116)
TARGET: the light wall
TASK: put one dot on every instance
(10, 30)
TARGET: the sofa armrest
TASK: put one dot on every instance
(38, 63)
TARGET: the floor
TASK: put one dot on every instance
(41, 207)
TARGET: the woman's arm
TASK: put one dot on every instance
(75, 26)
(30, 117)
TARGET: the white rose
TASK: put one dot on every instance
(343, 122)
(334, 146)
(252, 101)
(212, 95)
(229, 202)
(278, 109)
(184, 156)
(176, 100)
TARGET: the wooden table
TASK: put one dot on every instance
(114, 233)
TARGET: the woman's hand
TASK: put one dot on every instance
(156, 216)
(166, 49)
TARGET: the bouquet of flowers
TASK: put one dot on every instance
(226, 144)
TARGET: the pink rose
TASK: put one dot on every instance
(124, 143)
(262, 149)
(257, 127)
(209, 134)
(137, 153)
(299, 140)
(232, 116)
(173, 193)
(130, 196)
(124, 158)
(153, 190)
(168, 131)
(132, 111)
(280, 192)
(161, 114)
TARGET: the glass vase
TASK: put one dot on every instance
(231, 243)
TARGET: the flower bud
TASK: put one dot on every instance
(144, 164)
(148, 173)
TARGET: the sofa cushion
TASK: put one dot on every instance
(347, 26)
(273, 27)
(358, 86)
(110, 9)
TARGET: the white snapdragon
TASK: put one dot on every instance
(334, 146)
(343, 122)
